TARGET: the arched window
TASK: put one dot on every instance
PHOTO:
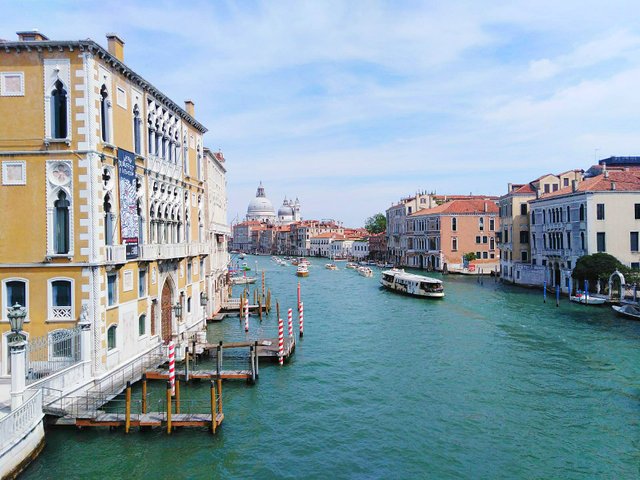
(15, 291)
(568, 213)
(142, 324)
(454, 224)
(481, 223)
(581, 238)
(569, 240)
(61, 224)
(104, 113)
(59, 111)
(60, 300)
(111, 337)
(137, 130)
(582, 213)
(108, 220)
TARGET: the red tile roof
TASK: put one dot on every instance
(460, 207)
(628, 181)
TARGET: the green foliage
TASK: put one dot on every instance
(376, 223)
(469, 257)
(598, 265)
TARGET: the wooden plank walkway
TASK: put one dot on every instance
(159, 374)
(267, 348)
(153, 419)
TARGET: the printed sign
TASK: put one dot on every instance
(129, 222)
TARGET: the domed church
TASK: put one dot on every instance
(261, 209)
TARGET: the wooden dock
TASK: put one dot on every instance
(154, 419)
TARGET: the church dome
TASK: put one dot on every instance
(285, 210)
(260, 208)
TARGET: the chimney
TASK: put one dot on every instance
(115, 45)
(190, 107)
(613, 185)
(485, 207)
(537, 193)
(509, 187)
(574, 185)
(32, 36)
(606, 173)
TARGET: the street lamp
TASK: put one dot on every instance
(204, 298)
(177, 310)
(16, 315)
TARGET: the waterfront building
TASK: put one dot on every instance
(342, 248)
(439, 237)
(107, 174)
(378, 247)
(397, 223)
(360, 249)
(599, 214)
(320, 245)
(513, 237)
(303, 231)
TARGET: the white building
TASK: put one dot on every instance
(360, 249)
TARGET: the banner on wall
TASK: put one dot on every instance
(129, 221)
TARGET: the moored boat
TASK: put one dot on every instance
(302, 271)
(630, 311)
(580, 297)
(412, 284)
(352, 265)
(365, 272)
(243, 280)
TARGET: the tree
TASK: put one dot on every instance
(469, 257)
(596, 266)
(376, 224)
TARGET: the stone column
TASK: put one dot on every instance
(18, 349)
(85, 347)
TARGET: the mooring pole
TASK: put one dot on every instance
(186, 363)
(557, 295)
(263, 282)
(252, 358)
(213, 407)
(127, 409)
(219, 380)
(144, 393)
(219, 358)
(169, 407)
(257, 360)
(544, 291)
(177, 396)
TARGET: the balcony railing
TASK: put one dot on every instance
(61, 313)
(115, 253)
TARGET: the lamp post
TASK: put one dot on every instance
(177, 310)
(18, 349)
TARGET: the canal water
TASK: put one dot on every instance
(489, 382)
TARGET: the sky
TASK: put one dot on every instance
(352, 105)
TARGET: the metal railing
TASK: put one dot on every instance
(21, 420)
(47, 355)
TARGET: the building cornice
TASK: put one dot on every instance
(96, 49)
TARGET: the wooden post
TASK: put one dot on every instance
(144, 393)
(557, 295)
(219, 359)
(186, 363)
(257, 360)
(219, 380)
(269, 301)
(169, 408)
(252, 358)
(177, 396)
(260, 308)
(213, 407)
(544, 291)
(277, 309)
(127, 409)
(263, 282)
(255, 296)
(241, 306)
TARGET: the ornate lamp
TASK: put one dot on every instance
(204, 298)
(16, 315)
(177, 310)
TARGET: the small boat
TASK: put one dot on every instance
(365, 272)
(245, 267)
(580, 297)
(302, 271)
(630, 311)
(352, 265)
(304, 261)
(417, 285)
(331, 266)
(243, 280)
(294, 262)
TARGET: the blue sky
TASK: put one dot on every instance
(350, 105)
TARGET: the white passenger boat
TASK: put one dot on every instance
(302, 271)
(580, 297)
(411, 284)
(365, 272)
(243, 280)
(331, 266)
(630, 311)
(352, 265)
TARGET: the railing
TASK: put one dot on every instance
(149, 251)
(115, 253)
(61, 313)
(52, 353)
(21, 420)
(172, 250)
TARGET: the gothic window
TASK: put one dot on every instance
(109, 220)
(581, 213)
(137, 130)
(59, 125)
(104, 114)
(454, 224)
(111, 337)
(61, 224)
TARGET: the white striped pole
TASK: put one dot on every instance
(280, 341)
(172, 367)
(290, 319)
(301, 317)
(246, 315)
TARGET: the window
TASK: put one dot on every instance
(565, 182)
(492, 224)
(492, 243)
(478, 255)
(569, 240)
(454, 244)
(112, 289)
(524, 256)
(188, 304)
(111, 337)
(635, 265)
(634, 241)
(485, 255)
(600, 237)
(137, 130)
(637, 210)
(61, 224)
(581, 212)
(485, 239)
(582, 240)
(506, 236)
(524, 237)
(478, 239)
(15, 291)
(546, 188)
(454, 224)
(523, 209)
(600, 211)
(61, 295)
(533, 218)
(104, 114)
(568, 213)
(481, 224)
(142, 283)
(202, 268)
(58, 111)
(189, 268)
(555, 187)
(142, 324)
(109, 220)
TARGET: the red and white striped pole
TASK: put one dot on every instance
(298, 296)
(280, 341)
(246, 315)
(290, 319)
(172, 367)
(301, 317)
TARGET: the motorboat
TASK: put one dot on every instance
(245, 267)
(630, 311)
(331, 266)
(243, 280)
(400, 281)
(352, 265)
(365, 272)
(586, 299)
(302, 271)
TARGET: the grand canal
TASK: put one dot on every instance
(487, 383)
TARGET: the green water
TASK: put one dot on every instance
(487, 383)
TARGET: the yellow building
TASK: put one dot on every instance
(103, 200)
